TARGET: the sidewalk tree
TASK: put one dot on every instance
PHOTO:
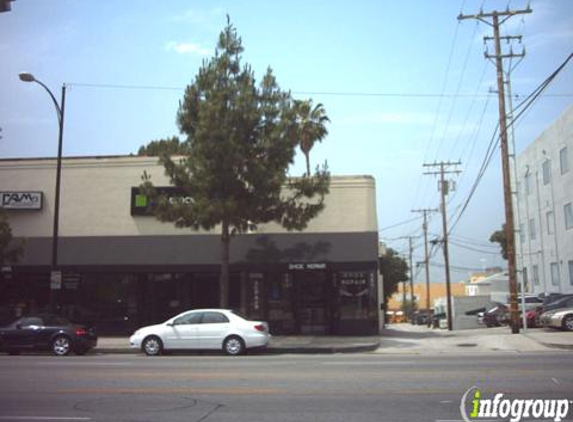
(169, 146)
(10, 251)
(498, 236)
(241, 139)
(394, 270)
(311, 126)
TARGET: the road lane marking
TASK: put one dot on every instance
(44, 418)
(199, 391)
(555, 381)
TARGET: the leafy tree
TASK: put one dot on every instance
(499, 236)
(10, 253)
(241, 140)
(394, 270)
(311, 126)
(169, 146)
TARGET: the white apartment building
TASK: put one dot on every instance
(545, 209)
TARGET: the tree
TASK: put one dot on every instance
(10, 253)
(241, 139)
(499, 236)
(169, 146)
(394, 270)
(311, 126)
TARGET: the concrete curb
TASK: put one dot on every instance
(550, 345)
(361, 348)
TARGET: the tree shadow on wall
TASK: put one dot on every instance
(268, 252)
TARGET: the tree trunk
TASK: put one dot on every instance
(224, 278)
(307, 155)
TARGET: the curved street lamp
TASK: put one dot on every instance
(60, 108)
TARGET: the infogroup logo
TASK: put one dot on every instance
(474, 407)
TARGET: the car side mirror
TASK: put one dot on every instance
(170, 324)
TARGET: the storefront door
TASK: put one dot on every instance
(311, 302)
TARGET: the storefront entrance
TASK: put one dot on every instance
(311, 302)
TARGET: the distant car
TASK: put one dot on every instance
(46, 333)
(561, 318)
(203, 329)
(422, 317)
(495, 317)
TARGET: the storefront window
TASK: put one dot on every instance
(355, 294)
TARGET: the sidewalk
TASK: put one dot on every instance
(415, 339)
(402, 339)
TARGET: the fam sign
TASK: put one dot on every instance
(21, 200)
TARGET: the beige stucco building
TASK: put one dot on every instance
(123, 268)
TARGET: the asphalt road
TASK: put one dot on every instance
(194, 388)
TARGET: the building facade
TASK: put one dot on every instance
(545, 207)
(121, 268)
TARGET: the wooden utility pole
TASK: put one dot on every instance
(509, 223)
(444, 186)
(411, 281)
(425, 212)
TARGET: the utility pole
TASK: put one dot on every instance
(425, 212)
(509, 221)
(411, 281)
(444, 186)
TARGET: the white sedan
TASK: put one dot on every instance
(203, 329)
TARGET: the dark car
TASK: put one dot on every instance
(496, 316)
(46, 332)
(557, 302)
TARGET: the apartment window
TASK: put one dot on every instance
(525, 278)
(528, 187)
(571, 272)
(555, 277)
(535, 275)
(522, 233)
(546, 172)
(532, 229)
(563, 160)
(568, 211)
(550, 222)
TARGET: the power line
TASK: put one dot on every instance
(399, 224)
(326, 93)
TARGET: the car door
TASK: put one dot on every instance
(22, 333)
(182, 332)
(212, 330)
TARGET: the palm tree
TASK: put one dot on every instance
(311, 126)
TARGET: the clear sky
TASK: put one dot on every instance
(403, 82)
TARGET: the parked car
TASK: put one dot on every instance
(558, 301)
(561, 318)
(206, 329)
(422, 317)
(46, 332)
(495, 317)
(531, 302)
(531, 318)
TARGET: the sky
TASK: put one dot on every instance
(404, 83)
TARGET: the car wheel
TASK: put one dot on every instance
(152, 346)
(234, 346)
(61, 346)
(568, 323)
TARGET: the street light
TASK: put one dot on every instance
(55, 276)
